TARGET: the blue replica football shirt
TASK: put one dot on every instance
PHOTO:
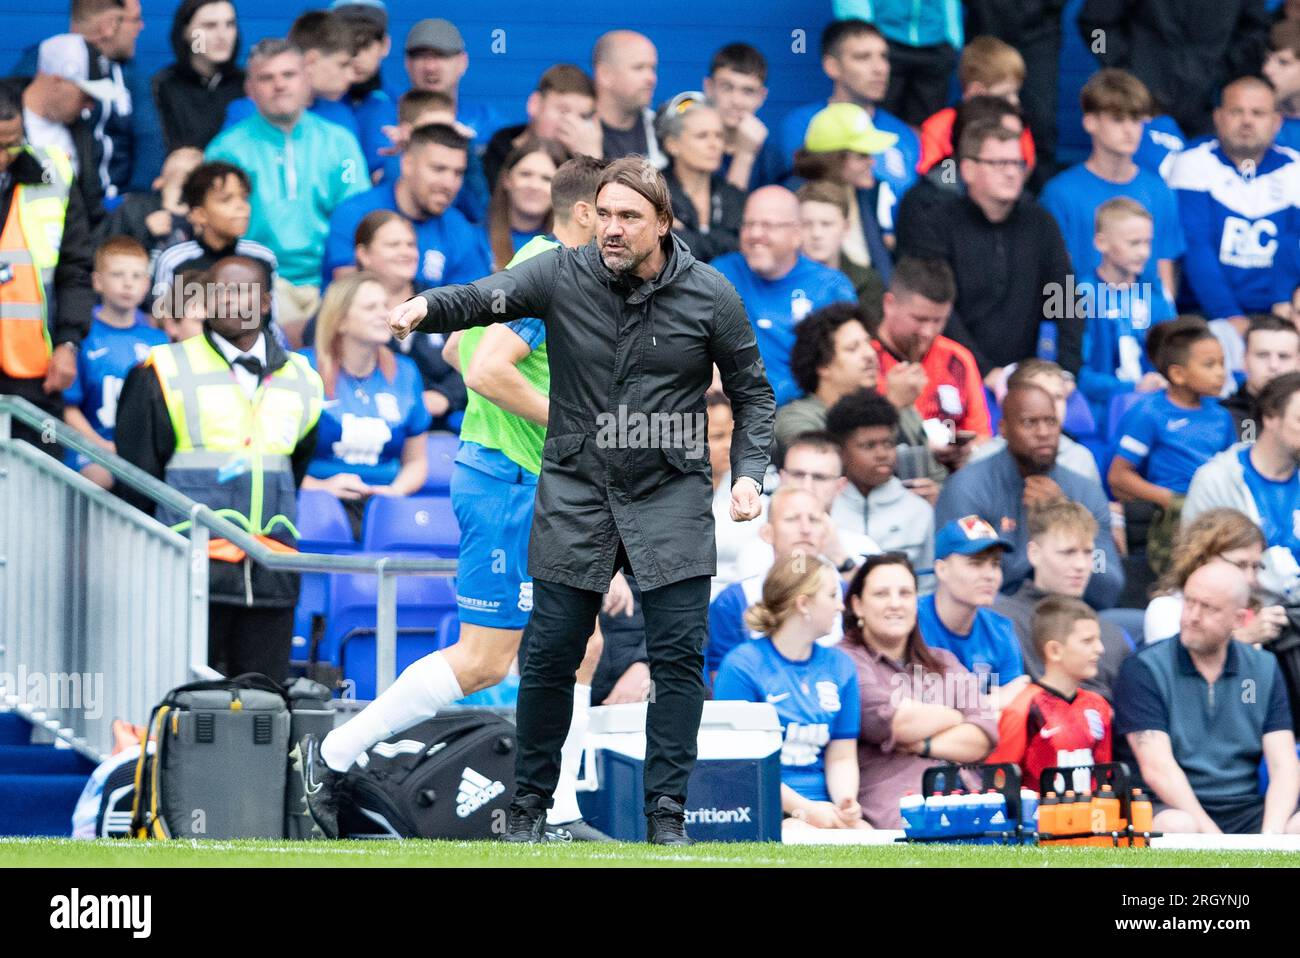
(816, 700)
(1167, 443)
(991, 650)
(1278, 504)
(107, 354)
(363, 428)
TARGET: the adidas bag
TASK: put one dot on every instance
(220, 763)
(450, 777)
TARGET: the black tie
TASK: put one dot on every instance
(252, 364)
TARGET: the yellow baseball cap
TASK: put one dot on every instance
(846, 126)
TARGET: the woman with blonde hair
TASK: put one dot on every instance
(813, 688)
(371, 439)
(1217, 535)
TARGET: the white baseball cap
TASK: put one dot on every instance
(67, 55)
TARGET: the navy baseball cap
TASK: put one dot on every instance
(968, 536)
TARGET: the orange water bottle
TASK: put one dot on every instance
(1048, 807)
(1141, 814)
(1105, 816)
(1068, 816)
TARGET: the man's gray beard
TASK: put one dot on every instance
(629, 267)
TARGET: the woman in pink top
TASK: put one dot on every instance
(920, 706)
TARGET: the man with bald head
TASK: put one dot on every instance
(1234, 198)
(625, 67)
(1002, 489)
(779, 286)
(1199, 711)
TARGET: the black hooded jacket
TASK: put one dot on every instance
(192, 108)
(626, 456)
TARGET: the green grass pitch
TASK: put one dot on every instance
(66, 853)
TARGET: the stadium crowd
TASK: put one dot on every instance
(1037, 432)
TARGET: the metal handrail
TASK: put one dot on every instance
(386, 567)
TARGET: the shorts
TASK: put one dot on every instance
(493, 587)
(1243, 817)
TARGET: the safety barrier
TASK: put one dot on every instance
(103, 608)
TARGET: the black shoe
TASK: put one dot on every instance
(322, 786)
(526, 820)
(666, 824)
(580, 831)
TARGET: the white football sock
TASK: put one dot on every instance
(565, 805)
(425, 686)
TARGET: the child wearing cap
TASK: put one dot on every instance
(958, 617)
(1054, 722)
(1119, 307)
(840, 147)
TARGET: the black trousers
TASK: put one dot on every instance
(918, 80)
(30, 389)
(242, 639)
(676, 623)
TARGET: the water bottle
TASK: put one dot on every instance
(912, 807)
(1029, 809)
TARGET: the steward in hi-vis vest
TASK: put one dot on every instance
(228, 418)
(45, 263)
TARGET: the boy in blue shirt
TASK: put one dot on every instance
(1120, 307)
(120, 337)
(1165, 437)
(957, 616)
(1115, 103)
(373, 108)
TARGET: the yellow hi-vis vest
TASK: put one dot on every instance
(231, 454)
(29, 247)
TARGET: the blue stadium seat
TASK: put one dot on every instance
(411, 524)
(995, 412)
(1078, 417)
(442, 453)
(1120, 403)
(322, 524)
(423, 604)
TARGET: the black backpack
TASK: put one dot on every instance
(450, 777)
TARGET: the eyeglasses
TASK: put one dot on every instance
(1001, 166)
(764, 226)
(1245, 565)
(684, 101)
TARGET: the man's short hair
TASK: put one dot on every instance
(783, 493)
(1276, 396)
(1030, 369)
(860, 409)
(993, 109)
(205, 178)
(989, 61)
(1170, 343)
(742, 58)
(931, 278)
(83, 10)
(119, 246)
(818, 440)
(269, 49)
(413, 104)
(364, 31)
(976, 135)
(639, 175)
(575, 180)
(1117, 93)
(322, 31)
(1054, 619)
(566, 78)
(814, 341)
(437, 134)
(821, 191)
(1062, 516)
(1268, 323)
(1117, 208)
(837, 31)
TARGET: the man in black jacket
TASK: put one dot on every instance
(1007, 254)
(1185, 51)
(634, 327)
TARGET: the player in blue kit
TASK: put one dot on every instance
(120, 337)
(814, 690)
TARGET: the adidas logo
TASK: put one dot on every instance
(475, 791)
